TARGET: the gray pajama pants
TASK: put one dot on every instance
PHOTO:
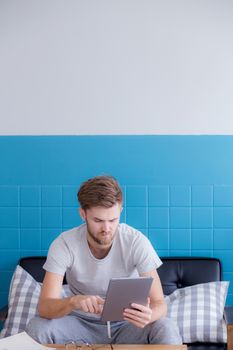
(81, 330)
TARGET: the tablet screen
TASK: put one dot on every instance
(121, 293)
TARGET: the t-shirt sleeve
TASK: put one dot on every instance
(145, 257)
(59, 257)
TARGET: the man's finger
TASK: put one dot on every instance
(140, 307)
(100, 300)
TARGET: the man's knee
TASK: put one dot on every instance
(39, 328)
(165, 331)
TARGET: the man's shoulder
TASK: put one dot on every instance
(75, 232)
(129, 231)
(131, 235)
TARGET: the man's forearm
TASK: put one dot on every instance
(159, 310)
(55, 308)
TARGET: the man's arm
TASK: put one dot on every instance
(51, 305)
(155, 308)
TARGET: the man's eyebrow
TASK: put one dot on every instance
(96, 218)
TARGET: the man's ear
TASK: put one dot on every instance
(82, 214)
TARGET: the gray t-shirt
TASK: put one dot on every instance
(130, 255)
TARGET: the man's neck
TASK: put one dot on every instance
(98, 251)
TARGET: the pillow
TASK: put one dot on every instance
(198, 312)
(22, 301)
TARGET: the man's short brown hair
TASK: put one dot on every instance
(100, 191)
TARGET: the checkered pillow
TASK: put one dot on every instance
(198, 312)
(22, 301)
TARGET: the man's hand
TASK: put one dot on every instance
(140, 315)
(88, 303)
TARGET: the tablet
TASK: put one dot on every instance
(121, 293)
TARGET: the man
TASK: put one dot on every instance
(90, 255)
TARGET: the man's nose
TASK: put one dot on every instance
(106, 226)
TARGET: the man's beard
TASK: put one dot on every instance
(101, 240)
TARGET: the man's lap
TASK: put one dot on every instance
(81, 330)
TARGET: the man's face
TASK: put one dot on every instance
(102, 223)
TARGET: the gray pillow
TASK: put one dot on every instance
(198, 312)
(22, 302)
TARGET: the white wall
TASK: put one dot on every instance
(116, 67)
